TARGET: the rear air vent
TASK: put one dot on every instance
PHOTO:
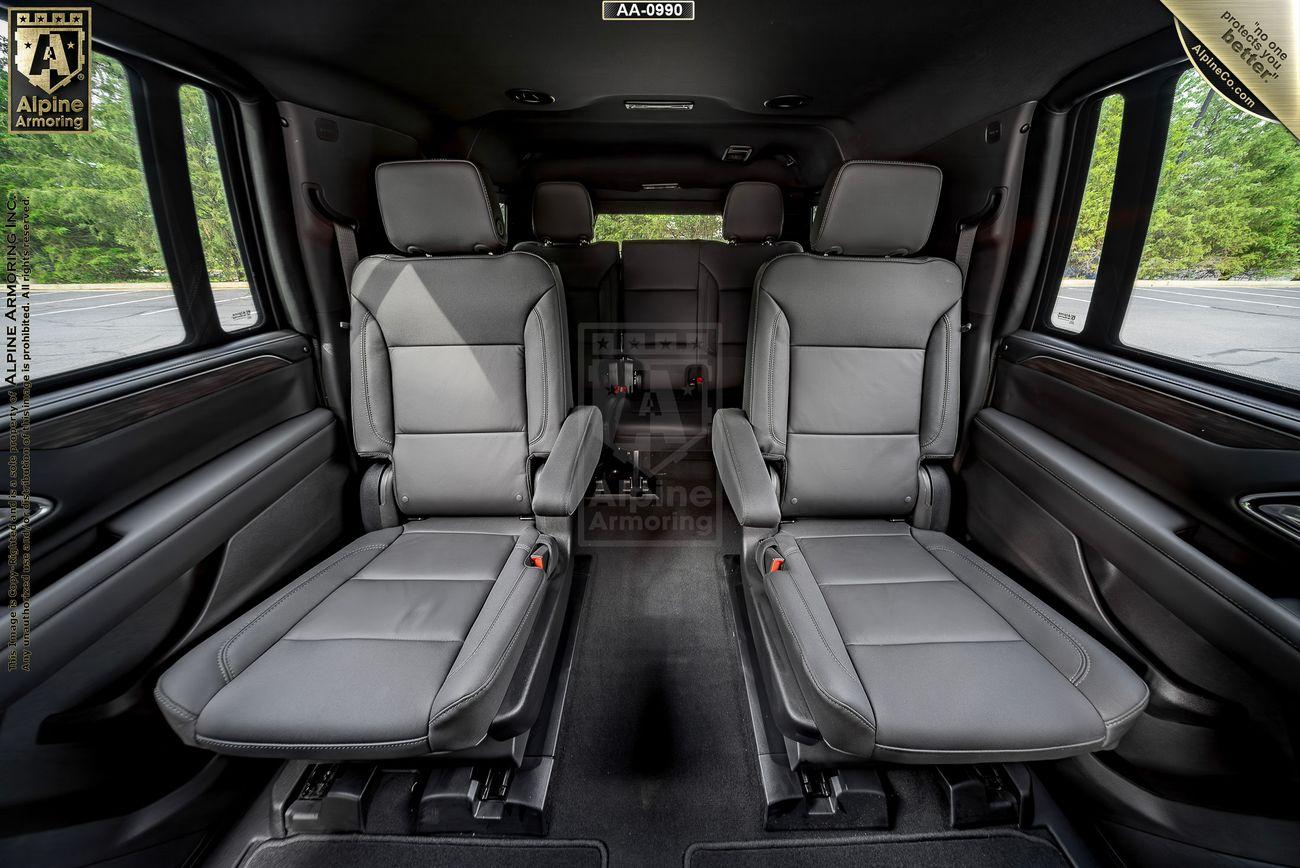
(787, 101)
(737, 154)
(523, 96)
(658, 105)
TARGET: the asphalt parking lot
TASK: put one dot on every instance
(84, 325)
(1249, 327)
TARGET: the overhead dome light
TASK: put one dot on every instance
(524, 96)
(787, 101)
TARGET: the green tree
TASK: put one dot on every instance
(220, 247)
(678, 227)
(91, 215)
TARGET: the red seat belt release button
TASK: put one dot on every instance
(776, 565)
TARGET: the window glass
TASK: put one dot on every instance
(1219, 279)
(100, 289)
(236, 303)
(1074, 295)
(675, 227)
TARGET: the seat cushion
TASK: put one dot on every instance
(401, 644)
(910, 648)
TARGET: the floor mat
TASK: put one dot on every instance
(656, 750)
(1003, 849)
(309, 851)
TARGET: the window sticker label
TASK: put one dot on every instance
(49, 70)
(612, 10)
(1245, 50)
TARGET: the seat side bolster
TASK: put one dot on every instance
(465, 704)
(564, 477)
(742, 470)
(1114, 690)
(831, 685)
(190, 684)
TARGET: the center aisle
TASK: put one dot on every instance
(656, 751)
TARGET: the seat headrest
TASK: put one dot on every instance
(754, 211)
(439, 207)
(877, 209)
(562, 213)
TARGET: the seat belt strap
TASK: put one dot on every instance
(965, 246)
(346, 239)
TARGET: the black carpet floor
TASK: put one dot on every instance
(655, 751)
(305, 851)
(1003, 849)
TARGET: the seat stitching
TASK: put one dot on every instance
(496, 670)
(996, 750)
(771, 379)
(174, 706)
(817, 627)
(1131, 713)
(375, 745)
(496, 617)
(947, 375)
(1140, 536)
(1085, 662)
(222, 655)
(365, 378)
(541, 431)
(776, 601)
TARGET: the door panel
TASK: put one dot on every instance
(181, 494)
(1117, 488)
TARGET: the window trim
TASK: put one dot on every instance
(1148, 102)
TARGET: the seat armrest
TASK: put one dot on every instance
(742, 470)
(563, 478)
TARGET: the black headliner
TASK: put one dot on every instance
(927, 68)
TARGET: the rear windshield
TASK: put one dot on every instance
(669, 227)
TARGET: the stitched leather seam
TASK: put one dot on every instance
(222, 657)
(947, 375)
(1131, 713)
(771, 379)
(812, 676)
(496, 670)
(374, 745)
(491, 626)
(546, 382)
(1140, 536)
(365, 379)
(176, 707)
(798, 590)
(1085, 662)
(995, 751)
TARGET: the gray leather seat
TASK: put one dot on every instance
(904, 645)
(696, 294)
(405, 642)
(563, 224)
(752, 220)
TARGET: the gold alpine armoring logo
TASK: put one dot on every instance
(49, 70)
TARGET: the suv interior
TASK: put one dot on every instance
(806, 434)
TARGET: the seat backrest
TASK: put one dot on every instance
(459, 356)
(563, 224)
(851, 379)
(752, 219)
(662, 305)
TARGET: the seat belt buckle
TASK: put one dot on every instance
(540, 558)
(772, 560)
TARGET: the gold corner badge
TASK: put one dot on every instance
(49, 69)
(1247, 51)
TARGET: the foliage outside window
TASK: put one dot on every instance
(674, 227)
(100, 288)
